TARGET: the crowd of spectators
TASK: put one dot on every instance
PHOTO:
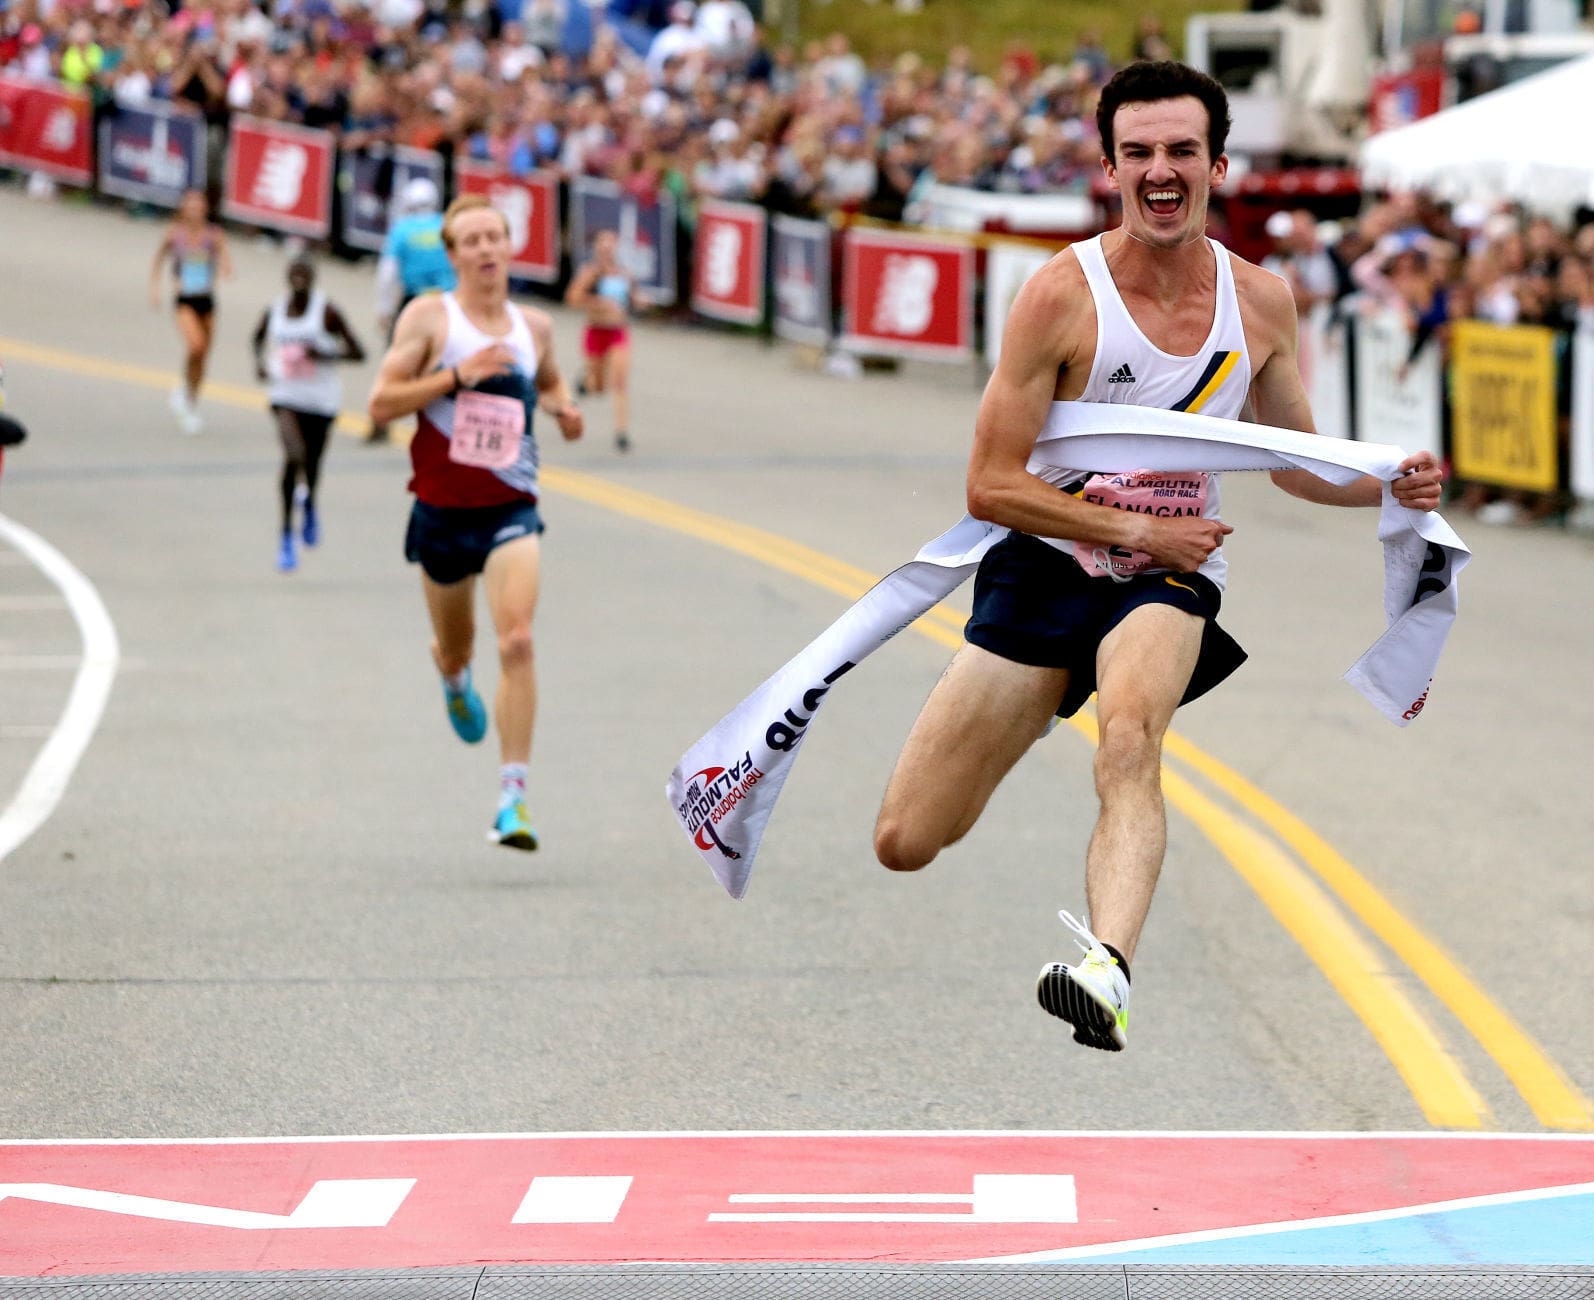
(1436, 264)
(697, 101)
(689, 98)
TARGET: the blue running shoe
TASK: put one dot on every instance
(287, 558)
(466, 711)
(513, 828)
(311, 531)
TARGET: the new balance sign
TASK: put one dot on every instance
(279, 176)
(728, 269)
(907, 295)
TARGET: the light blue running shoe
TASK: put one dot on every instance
(311, 531)
(287, 557)
(513, 829)
(466, 711)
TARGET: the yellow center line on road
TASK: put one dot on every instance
(1350, 964)
(1435, 1079)
(148, 377)
(767, 548)
(1548, 1092)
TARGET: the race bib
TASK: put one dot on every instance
(487, 430)
(294, 361)
(1165, 493)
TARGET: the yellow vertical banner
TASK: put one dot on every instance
(1504, 427)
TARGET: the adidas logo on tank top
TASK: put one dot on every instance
(1210, 377)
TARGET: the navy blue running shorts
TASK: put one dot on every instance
(452, 543)
(1033, 604)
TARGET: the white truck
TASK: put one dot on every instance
(1300, 76)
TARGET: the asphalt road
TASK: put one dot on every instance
(265, 905)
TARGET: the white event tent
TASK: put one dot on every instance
(1531, 141)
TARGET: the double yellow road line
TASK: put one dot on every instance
(1313, 892)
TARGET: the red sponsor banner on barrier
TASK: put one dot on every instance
(279, 176)
(728, 266)
(907, 295)
(46, 127)
(530, 205)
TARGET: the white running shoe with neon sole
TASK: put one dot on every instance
(1092, 996)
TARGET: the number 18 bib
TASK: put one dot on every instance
(487, 430)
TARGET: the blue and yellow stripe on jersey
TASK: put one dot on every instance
(1217, 370)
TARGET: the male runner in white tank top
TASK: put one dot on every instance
(476, 366)
(1154, 314)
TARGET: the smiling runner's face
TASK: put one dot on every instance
(1164, 170)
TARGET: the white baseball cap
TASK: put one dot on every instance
(419, 194)
(1280, 224)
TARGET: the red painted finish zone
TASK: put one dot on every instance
(861, 1192)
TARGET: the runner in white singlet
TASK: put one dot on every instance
(1152, 313)
(298, 344)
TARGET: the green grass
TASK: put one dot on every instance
(1049, 27)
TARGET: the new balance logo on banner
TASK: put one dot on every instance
(1121, 375)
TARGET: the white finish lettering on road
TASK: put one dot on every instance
(330, 1203)
(997, 1198)
(573, 1200)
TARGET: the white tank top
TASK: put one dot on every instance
(297, 379)
(464, 339)
(1130, 368)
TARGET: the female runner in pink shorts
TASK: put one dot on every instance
(602, 288)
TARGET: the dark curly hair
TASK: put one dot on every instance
(1147, 82)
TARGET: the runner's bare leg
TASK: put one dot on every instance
(453, 613)
(980, 719)
(513, 575)
(619, 379)
(1143, 667)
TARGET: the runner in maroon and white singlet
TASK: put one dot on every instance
(476, 368)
